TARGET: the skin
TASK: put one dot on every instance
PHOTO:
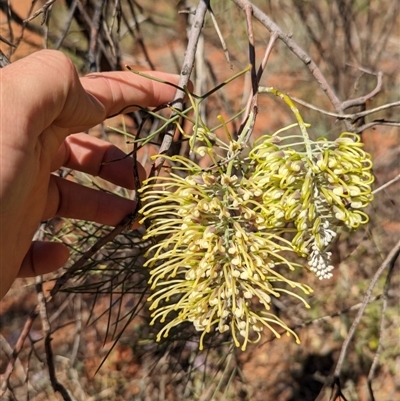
(44, 106)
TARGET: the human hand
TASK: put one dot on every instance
(43, 107)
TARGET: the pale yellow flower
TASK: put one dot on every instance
(318, 190)
(218, 259)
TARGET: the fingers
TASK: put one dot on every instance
(119, 89)
(98, 158)
(57, 95)
(48, 88)
(68, 199)
(115, 91)
(42, 258)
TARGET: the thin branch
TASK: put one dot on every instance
(61, 281)
(7, 349)
(363, 99)
(326, 318)
(13, 16)
(298, 51)
(267, 53)
(4, 61)
(94, 37)
(376, 109)
(315, 71)
(374, 123)
(138, 34)
(9, 24)
(78, 329)
(45, 9)
(67, 25)
(252, 104)
(5, 377)
(221, 38)
(89, 27)
(388, 262)
(42, 303)
(352, 116)
(184, 77)
(6, 41)
(248, 10)
(375, 361)
(387, 184)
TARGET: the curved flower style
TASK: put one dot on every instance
(318, 186)
(218, 259)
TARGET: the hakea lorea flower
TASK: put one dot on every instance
(216, 260)
(318, 186)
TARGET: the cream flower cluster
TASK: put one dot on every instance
(219, 260)
(226, 239)
(318, 191)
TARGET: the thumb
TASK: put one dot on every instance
(55, 95)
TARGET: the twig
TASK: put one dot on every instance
(9, 25)
(6, 41)
(200, 77)
(248, 10)
(317, 320)
(61, 281)
(6, 347)
(260, 71)
(363, 99)
(391, 182)
(94, 37)
(298, 51)
(61, 308)
(374, 123)
(267, 53)
(13, 16)
(67, 24)
(252, 105)
(331, 316)
(375, 361)
(355, 116)
(138, 36)
(88, 26)
(219, 34)
(78, 329)
(4, 61)
(42, 303)
(45, 9)
(5, 377)
(116, 15)
(314, 69)
(336, 393)
(184, 77)
(352, 116)
(389, 261)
